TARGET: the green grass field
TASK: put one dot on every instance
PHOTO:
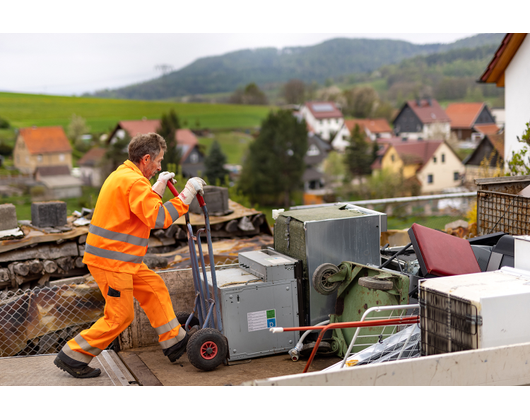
(25, 110)
(233, 144)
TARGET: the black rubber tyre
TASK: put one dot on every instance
(207, 349)
(320, 276)
(182, 317)
(376, 284)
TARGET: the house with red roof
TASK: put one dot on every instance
(373, 128)
(41, 146)
(422, 119)
(509, 69)
(431, 163)
(471, 121)
(192, 161)
(323, 118)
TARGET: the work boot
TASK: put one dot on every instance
(177, 350)
(77, 372)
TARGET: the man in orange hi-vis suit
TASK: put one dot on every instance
(126, 211)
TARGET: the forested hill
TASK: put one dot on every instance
(330, 59)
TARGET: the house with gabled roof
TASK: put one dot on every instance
(471, 120)
(323, 117)
(433, 163)
(486, 159)
(509, 69)
(373, 128)
(192, 161)
(41, 146)
(422, 119)
(90, 167)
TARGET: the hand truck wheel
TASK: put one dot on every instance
(182, 317)
(207, 349)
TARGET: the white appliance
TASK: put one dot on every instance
(475, 311)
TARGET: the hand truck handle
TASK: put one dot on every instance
(172, 188)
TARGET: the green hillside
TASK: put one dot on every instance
(25, 110)
(270, 66)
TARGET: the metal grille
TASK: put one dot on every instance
(41, 321)
(448, 323)
(501, 212)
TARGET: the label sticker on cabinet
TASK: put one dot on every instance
(261, 320)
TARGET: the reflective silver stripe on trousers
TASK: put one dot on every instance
(116, 236)
(85, 346)
(167, 327)
(112, 255)
(172, 341)
(80, 357)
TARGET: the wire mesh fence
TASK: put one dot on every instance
(501, 212)
(42, 320)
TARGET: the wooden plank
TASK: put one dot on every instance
(139, 370)
(35, 237)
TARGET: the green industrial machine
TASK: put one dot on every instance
(360, 287)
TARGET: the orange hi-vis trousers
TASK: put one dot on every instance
(119, 289)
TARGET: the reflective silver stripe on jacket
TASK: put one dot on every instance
(116, 236)
(173, 212)
(85, 346)
(167, 327)
(113, 255)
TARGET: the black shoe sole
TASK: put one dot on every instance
(63, 366)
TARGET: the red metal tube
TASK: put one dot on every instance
(172, 188)
(355, 324)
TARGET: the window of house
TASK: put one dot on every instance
(443, 158)
(430, 179)
(313, 151)
(194, 157)
(392, 158)
(61, 157)
(39, 158)
(456, 176)
(434, 159)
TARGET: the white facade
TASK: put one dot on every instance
(340, 141)
(517, 98)
(433, 131)
(322, 126)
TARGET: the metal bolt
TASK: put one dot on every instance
(234, 351)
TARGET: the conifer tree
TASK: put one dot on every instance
(274, 164)
(214, 162)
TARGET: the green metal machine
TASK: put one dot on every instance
(360, 287)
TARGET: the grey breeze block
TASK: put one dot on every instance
(49, 213)
(8, 216)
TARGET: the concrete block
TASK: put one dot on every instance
(216, 199)
(8, 217)
(49, 213)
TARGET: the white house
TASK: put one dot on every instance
(509, 68)
(374, 128)
(324, 118)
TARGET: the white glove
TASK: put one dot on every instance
(193, 186)
(161, 183)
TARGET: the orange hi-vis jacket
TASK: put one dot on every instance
(126, 211)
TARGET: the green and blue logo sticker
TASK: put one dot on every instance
(261, 320)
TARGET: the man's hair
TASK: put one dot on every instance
(146, 144)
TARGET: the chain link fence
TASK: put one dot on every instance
(42, 320)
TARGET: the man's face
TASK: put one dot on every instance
(150, 167)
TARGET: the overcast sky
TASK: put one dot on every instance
(112, 44)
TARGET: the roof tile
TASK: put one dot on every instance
(42, 140)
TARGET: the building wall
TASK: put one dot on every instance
(27, 163)
(323, 127)
(443, 171)
(517, 98)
